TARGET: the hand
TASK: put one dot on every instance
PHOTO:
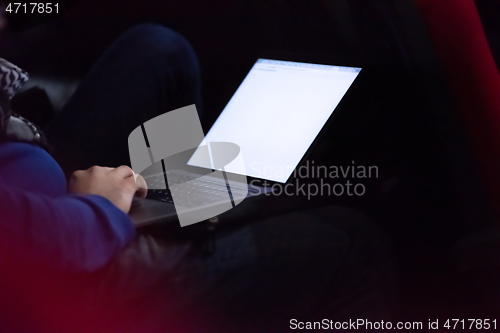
(118, 185)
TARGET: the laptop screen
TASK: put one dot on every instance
(277, 112)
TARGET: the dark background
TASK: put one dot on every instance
(429, 197)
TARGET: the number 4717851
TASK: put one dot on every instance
(478, 324)
(32, 8)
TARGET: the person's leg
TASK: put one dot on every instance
(148, 71)
(328, 263)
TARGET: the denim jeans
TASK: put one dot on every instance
(325, 263)
(148, 71)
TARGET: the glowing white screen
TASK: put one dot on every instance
(277, 112)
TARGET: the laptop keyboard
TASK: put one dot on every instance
(190, 191)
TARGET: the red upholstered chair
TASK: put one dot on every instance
(458, 36)
(464, 54)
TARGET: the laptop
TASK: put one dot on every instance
(261, 136)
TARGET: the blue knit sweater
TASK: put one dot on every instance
(41, 222)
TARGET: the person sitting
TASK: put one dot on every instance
(71, 260)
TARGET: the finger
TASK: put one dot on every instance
(139, 180)
(141, 192)
(124, 172)
(95, 169)
(135, 189)
(77, 173)
(143, 187)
